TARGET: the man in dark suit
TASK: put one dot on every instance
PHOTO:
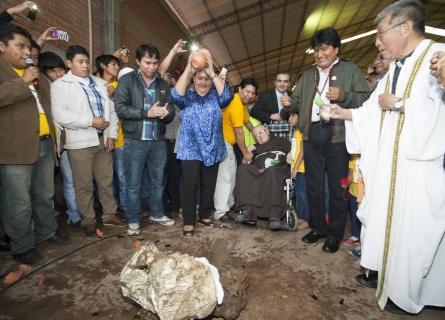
(267, 108)
(27, 152)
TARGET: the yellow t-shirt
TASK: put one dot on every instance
(296, 143)
(234, 116)
(43, 122)
(119, 143)
(356, 187)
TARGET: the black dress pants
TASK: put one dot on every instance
(321, 157)
(172, 193)
(195, 173)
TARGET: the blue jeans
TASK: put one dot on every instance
(153, 156)
(68, 188)
(145, 188)
(27, 207)
(301, 197)
(121, 183)
(356, 225)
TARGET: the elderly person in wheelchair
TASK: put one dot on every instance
(259, 184)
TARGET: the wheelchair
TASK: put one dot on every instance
(289, 217)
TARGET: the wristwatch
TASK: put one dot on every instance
(399, 105)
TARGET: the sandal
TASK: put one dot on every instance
(187, 233)
(206, 222)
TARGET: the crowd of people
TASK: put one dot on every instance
(365, 146)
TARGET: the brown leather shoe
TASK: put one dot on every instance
(115, 221)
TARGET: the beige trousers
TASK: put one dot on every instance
(86, 164)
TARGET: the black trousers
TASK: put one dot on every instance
(172, 193)
(194, 174)
(321, 157)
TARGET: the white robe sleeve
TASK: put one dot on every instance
(425, 116)
(361, 131)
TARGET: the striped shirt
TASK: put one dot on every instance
(95, 99)
(149, 126)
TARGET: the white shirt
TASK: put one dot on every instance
(323, 87)
(279, 95)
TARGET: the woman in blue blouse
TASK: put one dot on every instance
(201, 144)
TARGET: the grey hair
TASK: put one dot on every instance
(405, 10)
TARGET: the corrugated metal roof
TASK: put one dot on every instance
(260, 38)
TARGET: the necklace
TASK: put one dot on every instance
(317, 80)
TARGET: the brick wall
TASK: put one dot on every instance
(70, 16)
(142, 21)
(147, 22)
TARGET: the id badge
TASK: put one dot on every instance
(318, 101)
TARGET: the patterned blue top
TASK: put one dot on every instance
(200, 133)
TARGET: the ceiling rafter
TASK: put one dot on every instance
(269, 36)
(294, 45)
(281, 36)
(243, 36)
(316, 28)
(231, 18)
(263, 26)
(219, 32)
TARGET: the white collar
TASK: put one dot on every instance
(335, 62)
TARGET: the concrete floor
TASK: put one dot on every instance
(288, 279)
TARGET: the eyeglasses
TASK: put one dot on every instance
(379, 34)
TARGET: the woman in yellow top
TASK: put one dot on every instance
(297, 171)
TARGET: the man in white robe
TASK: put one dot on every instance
(400, 133)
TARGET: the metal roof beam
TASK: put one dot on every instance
(244, 13)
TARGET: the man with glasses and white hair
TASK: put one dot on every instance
(399, 132)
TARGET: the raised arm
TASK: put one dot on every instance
(166, 62)
(185, 78)
(217, 81)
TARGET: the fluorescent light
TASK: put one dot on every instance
(430, 30)
(436, 31)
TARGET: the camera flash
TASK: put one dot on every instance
(194, 47)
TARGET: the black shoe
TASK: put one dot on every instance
(249, 223)
(312, 237)
(246, 218)
(331, 245)
(31, 257)
(227, 218)
(369, 281)
(5, 245)
(393, 308)
(275, 224)
(75, 225)
(59, 240)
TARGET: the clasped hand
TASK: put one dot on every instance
(158, 111)
(387, 101)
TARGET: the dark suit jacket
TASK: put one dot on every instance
(19, 117)
(265, 106)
